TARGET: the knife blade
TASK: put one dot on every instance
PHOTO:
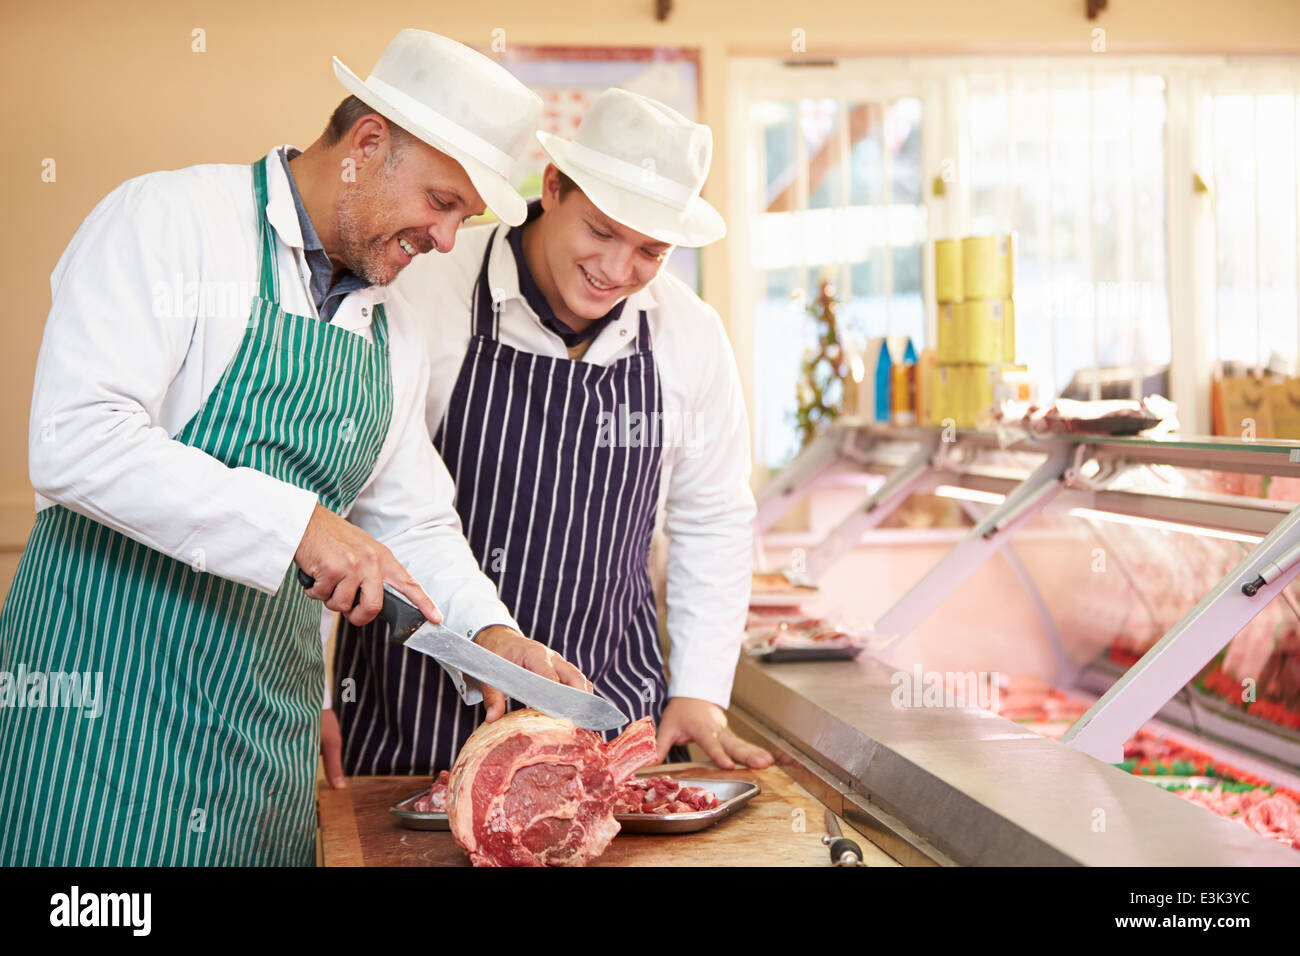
(844, 852)
(408, 627)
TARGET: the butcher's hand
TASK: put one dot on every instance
(691, 720)
(344, 560)
(331, 749)
(531, 655)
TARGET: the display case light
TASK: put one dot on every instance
(1161, 525)
(969, 494)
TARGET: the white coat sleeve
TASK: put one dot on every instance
(709, 521)
(408, 506)
(108, 353)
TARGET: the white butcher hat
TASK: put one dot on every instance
(459, 102)
(643, 165)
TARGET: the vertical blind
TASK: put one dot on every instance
(1251, 124)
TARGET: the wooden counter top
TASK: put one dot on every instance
(782, 826)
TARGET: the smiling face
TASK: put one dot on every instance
(408, 199)
(593, 262)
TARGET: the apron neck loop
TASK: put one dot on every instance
(486, 315)
(379, 326)
(269, 281)
(643, 334)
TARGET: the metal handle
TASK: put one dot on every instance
(403, 617)
(844, 852)
(1271, 571)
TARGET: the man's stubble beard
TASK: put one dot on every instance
(367, 256)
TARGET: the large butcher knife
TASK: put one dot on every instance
(407, 626)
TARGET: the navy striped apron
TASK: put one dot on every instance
(556, 464)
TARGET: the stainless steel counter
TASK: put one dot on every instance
(962, 785)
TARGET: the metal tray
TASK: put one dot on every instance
(1119, 425)
(414, 818)
(734, 794)
(789, 655)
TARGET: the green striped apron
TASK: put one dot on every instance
(204, 748)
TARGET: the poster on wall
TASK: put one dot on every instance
(569, 78)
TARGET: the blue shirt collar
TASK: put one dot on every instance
(327, 295)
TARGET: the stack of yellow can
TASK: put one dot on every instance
(974, 286)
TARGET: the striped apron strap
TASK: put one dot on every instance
(486, 311)
(269, 275)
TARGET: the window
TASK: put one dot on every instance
(854, 168)
(1251, 164)
(1072, 160)
(837, 195)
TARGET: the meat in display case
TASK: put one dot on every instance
(1131, 598)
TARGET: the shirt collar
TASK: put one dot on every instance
(282, 212)
(310, 240)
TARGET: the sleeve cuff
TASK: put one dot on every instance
(715, 691)
(286, 512)
(469, 695)
(472, 695)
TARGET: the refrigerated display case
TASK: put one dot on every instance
(1139, 590)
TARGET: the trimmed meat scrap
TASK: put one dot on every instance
(435, 799)
(660, 795)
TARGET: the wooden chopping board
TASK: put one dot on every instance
(782, 826)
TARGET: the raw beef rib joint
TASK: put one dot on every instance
(531, 790)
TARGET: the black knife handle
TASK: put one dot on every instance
(841, 846)
(403, 617)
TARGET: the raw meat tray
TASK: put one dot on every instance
(733, 795)
(415, 819)
(1119, 425)
(790, 655)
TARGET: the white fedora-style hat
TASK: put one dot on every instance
(459, 102)
(643, 165)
